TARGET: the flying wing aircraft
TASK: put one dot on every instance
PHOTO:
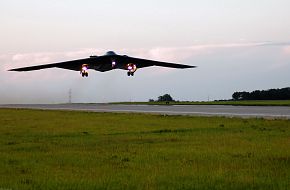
(104, 63)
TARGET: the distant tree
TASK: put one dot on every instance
(236, 96)
(165, 98)
(151, 100)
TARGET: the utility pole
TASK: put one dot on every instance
(69, 96)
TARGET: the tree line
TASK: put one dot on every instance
(271, 94)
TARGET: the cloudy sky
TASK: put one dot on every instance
(236, 44)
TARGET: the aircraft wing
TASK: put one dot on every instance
(74, 65)
(140, 63)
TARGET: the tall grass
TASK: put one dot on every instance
(79, 150)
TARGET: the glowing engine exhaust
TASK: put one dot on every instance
(113, 64)
(84, 70)
(131, 69)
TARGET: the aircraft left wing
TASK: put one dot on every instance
(74, 65)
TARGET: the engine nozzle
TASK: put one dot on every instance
(131, 67)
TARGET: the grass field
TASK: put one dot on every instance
(234, 103)
(80, 150)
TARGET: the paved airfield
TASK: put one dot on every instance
(205, 110)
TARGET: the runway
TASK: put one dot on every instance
(198, 110)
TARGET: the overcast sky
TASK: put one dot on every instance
(236, 44)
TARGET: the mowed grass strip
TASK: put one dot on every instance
(79, 150)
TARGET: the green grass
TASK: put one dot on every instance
(234, 103)
(80, 150)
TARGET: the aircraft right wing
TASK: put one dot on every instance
(140, 63)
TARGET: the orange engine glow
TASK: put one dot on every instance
(85, 67)
(131, 67)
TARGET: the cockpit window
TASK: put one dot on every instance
(111, 53)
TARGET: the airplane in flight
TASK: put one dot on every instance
(104, 63)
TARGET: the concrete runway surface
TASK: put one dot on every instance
(204, 110)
